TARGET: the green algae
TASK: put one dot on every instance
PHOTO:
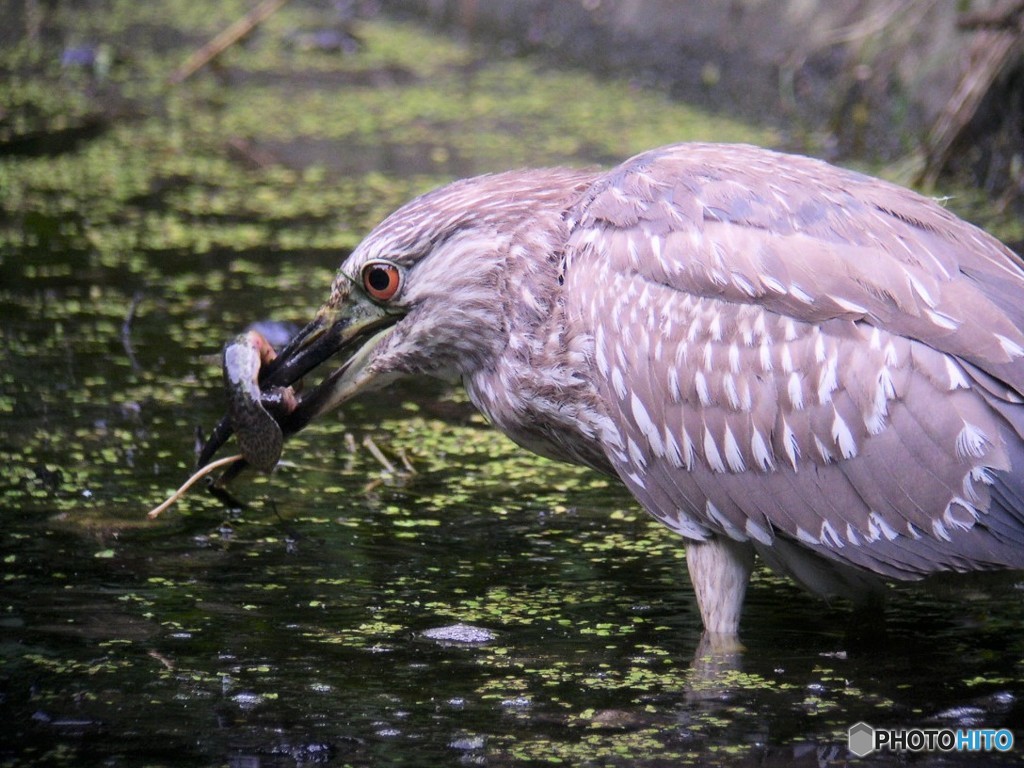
(192, 153)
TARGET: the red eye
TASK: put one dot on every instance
(381, 280)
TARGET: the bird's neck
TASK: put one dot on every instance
(548, 410)
(538, 389)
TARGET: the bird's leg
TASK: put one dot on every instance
(720, 571)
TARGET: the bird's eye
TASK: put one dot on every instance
(381, 280)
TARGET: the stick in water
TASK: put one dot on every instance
(225, 40)
(192, 481)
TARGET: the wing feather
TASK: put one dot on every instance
(792, 350)
(839, 244)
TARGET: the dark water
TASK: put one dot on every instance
(297, 630)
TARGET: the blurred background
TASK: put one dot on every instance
(172, 172)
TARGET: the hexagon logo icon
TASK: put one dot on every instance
(861, 739)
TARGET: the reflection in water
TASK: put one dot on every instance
(713, 672)
(305, 636)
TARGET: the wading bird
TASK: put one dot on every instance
(775, 356)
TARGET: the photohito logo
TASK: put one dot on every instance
(863, 739)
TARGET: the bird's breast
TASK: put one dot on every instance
(553, 412)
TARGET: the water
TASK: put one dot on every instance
(314, 625)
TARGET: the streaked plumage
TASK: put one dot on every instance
(773, 354)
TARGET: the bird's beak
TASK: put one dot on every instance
(349, 327)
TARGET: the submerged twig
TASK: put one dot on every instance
(225, 40)
(126, 330)
(162, 659)
(378, 454)
(409, 468)
(198, 475)
(389, 466)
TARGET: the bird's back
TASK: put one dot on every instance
(805, 358)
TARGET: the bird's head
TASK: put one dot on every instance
(433, 289)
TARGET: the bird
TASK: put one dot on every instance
(779, 358)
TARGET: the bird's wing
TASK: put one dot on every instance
(810, 241)
(790, 347)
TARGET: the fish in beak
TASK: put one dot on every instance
(348, 328)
